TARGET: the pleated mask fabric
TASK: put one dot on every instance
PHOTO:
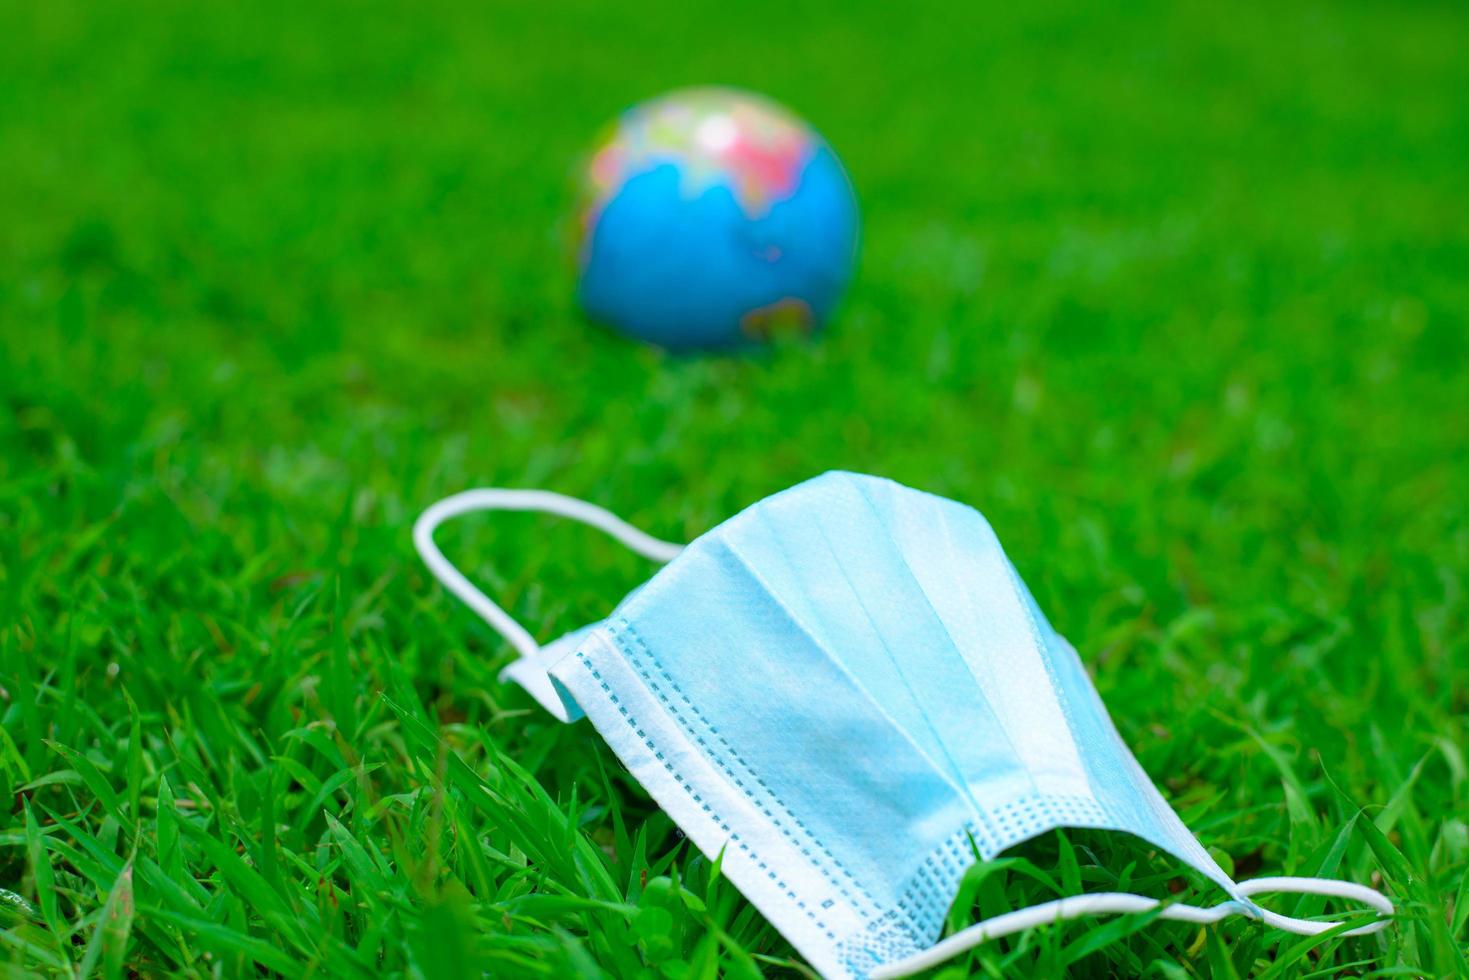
(848, 692)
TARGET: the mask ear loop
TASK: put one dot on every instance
(529, 670)
(1117, 903)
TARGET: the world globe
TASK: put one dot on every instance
(714, 218)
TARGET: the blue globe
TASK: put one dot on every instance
(714, 218)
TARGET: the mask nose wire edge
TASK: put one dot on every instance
(1110, 903)
(538, 501)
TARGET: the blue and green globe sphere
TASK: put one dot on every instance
(714, 218)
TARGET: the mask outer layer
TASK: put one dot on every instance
(840, 688)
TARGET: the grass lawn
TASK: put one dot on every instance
(1175, 294)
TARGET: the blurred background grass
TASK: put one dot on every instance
(1175, 294)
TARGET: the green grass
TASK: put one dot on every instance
(1175, 294)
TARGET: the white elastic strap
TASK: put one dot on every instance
(527, 670)
(1108, 903)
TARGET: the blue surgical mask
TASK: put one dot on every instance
(847, 690)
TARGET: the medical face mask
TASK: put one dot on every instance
(848, 692)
